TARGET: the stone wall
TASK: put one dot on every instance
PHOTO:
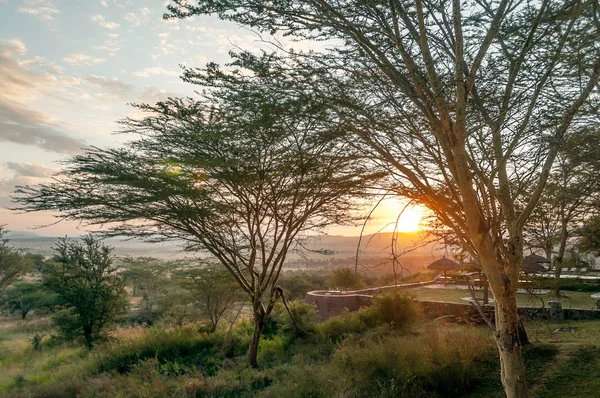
(331, 303)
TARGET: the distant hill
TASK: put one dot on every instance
(321, 249)
(21, 235)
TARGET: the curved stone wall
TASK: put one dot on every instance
(332, 303)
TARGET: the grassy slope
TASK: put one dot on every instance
(559, 364)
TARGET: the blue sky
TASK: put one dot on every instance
(68, 69)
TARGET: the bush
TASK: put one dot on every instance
(396, 309)
(180, 346)
(347, 324)
(305, 316)
(345, 279)
(438, 363)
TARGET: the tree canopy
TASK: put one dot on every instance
(84, 280)
(11, 261)
(241, 174)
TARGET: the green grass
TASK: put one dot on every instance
(21, 364)
(348, 356)
(568, 299)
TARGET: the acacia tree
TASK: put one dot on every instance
(83, 277)
(589, 234)
(240, 174)
(569, 197)
(211, 289)
(11, 261)
(465, 103)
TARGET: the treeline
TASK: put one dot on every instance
(88, 292)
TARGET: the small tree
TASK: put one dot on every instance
(345, 279)
(150, 278)
(23, 297)
(88, 289)
(11, 261)
(571, 194)
(211, 290)
(589, 235)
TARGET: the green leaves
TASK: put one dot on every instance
(92, 296)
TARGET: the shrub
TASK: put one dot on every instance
(305, 317)
(437, 363)
(345, 279)
(183, 345)
(443, 363)
(348, 323)
(396, 309)
(36, 341)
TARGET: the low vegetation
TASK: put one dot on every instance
(353, 355)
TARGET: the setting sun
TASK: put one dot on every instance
(409, 221)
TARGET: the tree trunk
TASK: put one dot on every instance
(509, 340)
(259, 322)
(87, 336)
(564, 235)
(486, 290)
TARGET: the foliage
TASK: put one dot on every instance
(239, 174)
(211, 289)
(182, 345)
(23, 297)
(444, 363)
(590, 235)
(345, 279)
(296, 284)
(396, 309)
(36, 341)
(92, 296)
(304, 320)
(162, 299)
(11, 261)
(346, 324)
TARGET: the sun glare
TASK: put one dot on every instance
(409, 220)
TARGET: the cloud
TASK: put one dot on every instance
(24, 125)
(30, 169)
(82, 59)
(14, 46)
(104, 4)
(156, 70)
(103, 22)
(112, 88)
(24, 174)
(42, 9)
(139, 17)
(151, 95)
(19, 122)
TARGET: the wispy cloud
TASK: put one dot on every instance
(111, 88)
(42, 9)
(82, 59)
(103, 3)
(21, 123)
(156, 70)
(141, 16)
(30, 169)
(26, 173)
(103, 22)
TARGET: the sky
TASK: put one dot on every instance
(70, 69)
